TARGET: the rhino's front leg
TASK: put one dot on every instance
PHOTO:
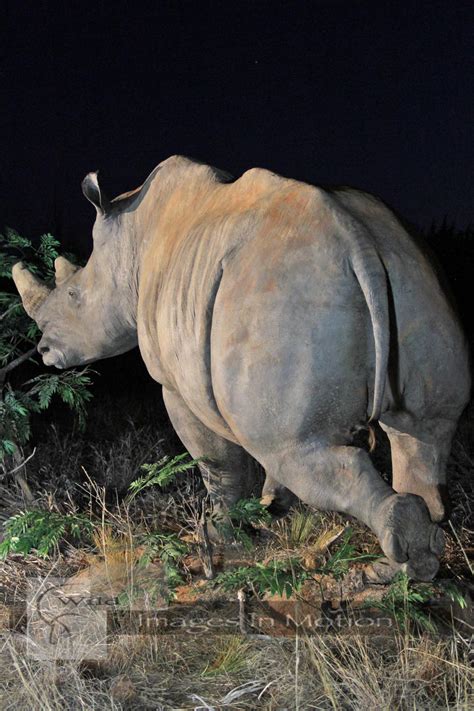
(229, 472)
(343, 479)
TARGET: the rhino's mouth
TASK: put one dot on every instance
(54, 358)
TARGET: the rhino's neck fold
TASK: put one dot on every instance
(121, 253)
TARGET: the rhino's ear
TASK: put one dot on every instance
(63, 269)
(92, 191)
(32, 291)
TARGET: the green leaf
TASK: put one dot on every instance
(48, 251)
(161, 473)
(8, 446)
(41, 531)
(13, 239)
(249, 511)
(279, 578)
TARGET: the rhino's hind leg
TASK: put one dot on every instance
(343, 479)
(228, 472)
(420, 452)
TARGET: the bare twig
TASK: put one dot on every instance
(19, 478)
(22, 464)
(205, 547)
(14, 364)
(8, 311)
(242, 614)
(461, 547)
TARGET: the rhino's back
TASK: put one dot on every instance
(254, 278)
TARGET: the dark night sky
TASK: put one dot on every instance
(375, 94)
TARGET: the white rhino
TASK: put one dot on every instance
(279, 318)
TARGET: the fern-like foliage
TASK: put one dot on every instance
(409, 602)
(244, 514)
(47, 252)
(339, 562)
(71, 387)
(287, 576)
(162, 473)
(15, 409)
(406, 602)
(17, 331)
(17, 406)
(170, 549)
(250, 512)
(41, 531)
(280, 577)
(18, 334)
(39, 259)
(167, 546)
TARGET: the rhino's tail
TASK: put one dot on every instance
(372, 277)
(373, 280)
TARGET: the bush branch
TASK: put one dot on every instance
(14, 364)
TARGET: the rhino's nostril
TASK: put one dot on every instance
(43, 349)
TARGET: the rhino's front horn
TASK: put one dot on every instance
(63, 269)
(32, 291)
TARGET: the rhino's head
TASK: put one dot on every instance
(88, 315)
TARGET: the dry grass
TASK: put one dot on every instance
(205, 671)
(320, 672)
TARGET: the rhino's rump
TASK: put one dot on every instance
(429, 369)
(291, 340)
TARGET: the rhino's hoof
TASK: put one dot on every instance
(278, 500)
(409, 537)
(220, 531)
(424, 570)
(381, 572)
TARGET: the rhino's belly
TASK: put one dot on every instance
(189, 375)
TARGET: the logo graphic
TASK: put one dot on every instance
(65, 622)
(68, 618)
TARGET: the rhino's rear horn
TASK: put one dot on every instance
(32, 291)
(63, 269)
(92, 191)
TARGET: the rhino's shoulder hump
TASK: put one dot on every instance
(178, 161)
(259, 176)
(265, 182)
(194, 168)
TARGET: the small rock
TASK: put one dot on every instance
(122, 689)
(381, 572)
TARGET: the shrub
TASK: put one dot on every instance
(161, 473)
(41, 531)
(18, 337)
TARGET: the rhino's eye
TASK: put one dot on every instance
(73, 295)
